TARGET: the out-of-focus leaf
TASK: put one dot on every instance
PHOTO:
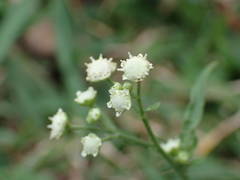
(65, 49)
(16, 19)
(194, 111)
(20, 173)
(2, 5)
(108, 123)
(31, 97)
(22, 89)
(7, 137)
(154, 106)
(148, 165)
(211, 169)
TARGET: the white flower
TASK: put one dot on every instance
(135, 68)
(100, 69)
(93, 115)
(120, 99)
(59, 121)
(91, 144)
(170, 145)
(86, 97)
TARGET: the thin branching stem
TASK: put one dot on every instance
(88, 128)
(129, 138)
(113, 134)
(153, 138)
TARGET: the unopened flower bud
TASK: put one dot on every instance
(93, 115)
(182, 157)
(87, 97)
(171, 145)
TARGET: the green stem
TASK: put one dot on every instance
(111, 81)
(114, 134)
(129, 138)
(153, 138)
(86, 128)
(110, 137)
(135, 140)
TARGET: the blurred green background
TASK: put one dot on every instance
(43, 48)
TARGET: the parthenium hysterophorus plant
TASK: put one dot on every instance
(135, 69)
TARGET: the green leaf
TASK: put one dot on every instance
(65, 49)
(153, 107)
(194, 111)
(22, 173)
(16, 19)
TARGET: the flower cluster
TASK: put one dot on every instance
(134, 68)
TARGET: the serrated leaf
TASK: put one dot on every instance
(154, 106)
(194, 112)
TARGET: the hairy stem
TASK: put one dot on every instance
(153, 138)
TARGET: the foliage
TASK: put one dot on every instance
(181, 38)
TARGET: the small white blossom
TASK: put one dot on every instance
(91, 144)
(135, 68)
(170, 145)
(93, 115)
(59, 121)
(100, 69)
(86, 97)
(120, 99)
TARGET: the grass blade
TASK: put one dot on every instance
(16, 19)
(65, 49)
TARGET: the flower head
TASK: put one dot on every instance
(100, 69)
(86, 97)
(135, 68)
(59, 121)
(171, 145)
(91, 144)
(93, 115)
(120, 99)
